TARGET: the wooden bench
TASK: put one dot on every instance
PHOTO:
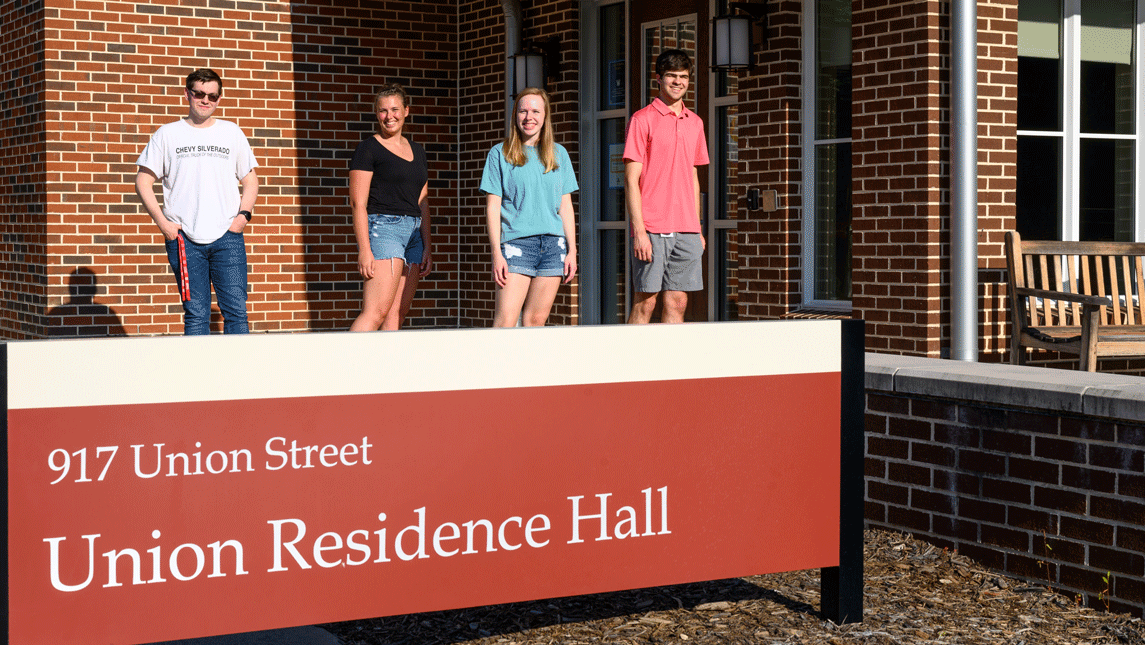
(1084, 298)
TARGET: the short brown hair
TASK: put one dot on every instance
(673, 60)
(204, 76)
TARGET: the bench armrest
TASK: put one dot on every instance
(1097, 301)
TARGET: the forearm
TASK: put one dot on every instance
(493, 224)
(632, 198)
(361, 223)
(249, 192)
(426, 225)
(145, 189)
(698, 198)
(568, 223)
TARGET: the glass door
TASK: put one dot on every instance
(604, 242)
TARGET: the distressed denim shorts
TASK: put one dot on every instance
(396, 236)
(536, 255)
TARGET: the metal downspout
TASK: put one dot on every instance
(964, 181)
(512, 10)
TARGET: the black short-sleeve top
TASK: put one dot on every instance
(397, 183)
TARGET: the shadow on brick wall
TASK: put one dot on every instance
(81, 316)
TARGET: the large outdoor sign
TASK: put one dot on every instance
(163, 488)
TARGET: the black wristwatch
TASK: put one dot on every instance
(246, 213)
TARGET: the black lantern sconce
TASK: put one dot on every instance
(732, 36)
(534, 64)
(528, 70)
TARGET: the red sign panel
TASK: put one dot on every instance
(155, 521)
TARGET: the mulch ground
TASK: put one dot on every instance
(915, 593)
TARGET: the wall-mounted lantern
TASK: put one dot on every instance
(732, 36)
(528, 70)
(535, 64)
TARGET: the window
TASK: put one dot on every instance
(722, 124)
(1079, 163)
(604, 236)
(827, 154)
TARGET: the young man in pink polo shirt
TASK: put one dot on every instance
(664, 144)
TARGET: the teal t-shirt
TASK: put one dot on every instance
(530, 197)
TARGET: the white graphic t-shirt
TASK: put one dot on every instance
(200, 169)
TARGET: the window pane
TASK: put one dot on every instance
(1107, 66)
(727, 82)
(1039, 28)
(1039, 189)
(1039, 94)
(612, 165)
(833, 222)
(612, 77)
(833, 80)
(727, 161)
(612, 279)
(1106, 195)
(727, 278)
(671, 34)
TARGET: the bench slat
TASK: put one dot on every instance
(1114, 289)
(1072, 260)
(1127, 276)
(1140, 290)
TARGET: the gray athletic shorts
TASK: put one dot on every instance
(675, 266)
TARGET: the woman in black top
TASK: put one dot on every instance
(388, 198)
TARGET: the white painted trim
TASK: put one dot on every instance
(1071, 120)
(123, 371)
(1139, 125)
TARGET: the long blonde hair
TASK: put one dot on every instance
(514, 148)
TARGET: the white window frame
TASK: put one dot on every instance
(589, 221)
(713, 225)
(1071, 135)
(808, 144)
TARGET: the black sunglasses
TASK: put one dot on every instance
(203, 95)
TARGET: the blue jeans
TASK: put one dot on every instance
(223, 264)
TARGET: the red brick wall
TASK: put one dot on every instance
(997, 164)
(1053, 498)
(770, 159)
(338, 56)
(900, 157)
(297, 79)
(481, 80)
(23, 152)
(902, 173)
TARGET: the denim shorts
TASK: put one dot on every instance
(536, 255)
(396, 236)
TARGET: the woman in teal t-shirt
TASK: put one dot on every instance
(528, 181)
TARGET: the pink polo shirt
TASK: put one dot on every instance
(669, 147)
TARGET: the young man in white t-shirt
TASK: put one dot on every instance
(202, 162)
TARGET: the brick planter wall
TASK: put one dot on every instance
(1038, 473)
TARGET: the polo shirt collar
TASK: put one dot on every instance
(664, 110)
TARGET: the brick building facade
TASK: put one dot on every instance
(87, 83)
